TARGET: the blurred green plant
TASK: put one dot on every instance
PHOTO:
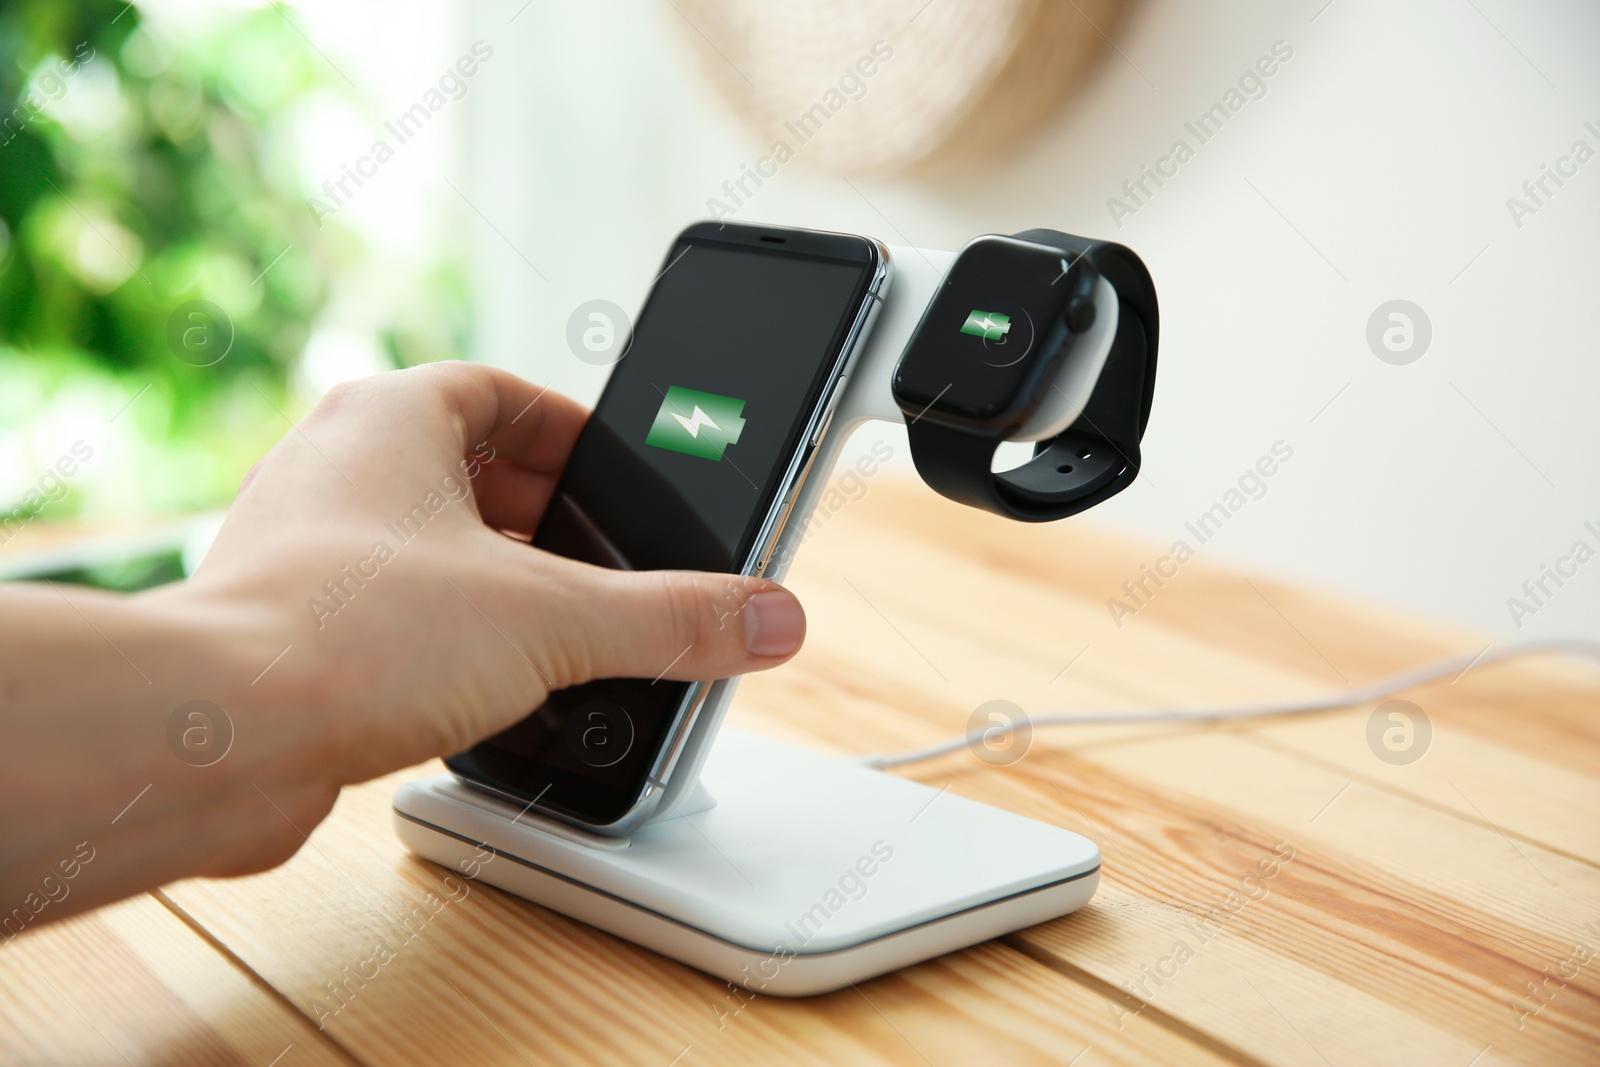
(140, 174)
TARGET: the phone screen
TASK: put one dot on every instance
(687, 452)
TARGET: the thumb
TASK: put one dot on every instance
(682, 625)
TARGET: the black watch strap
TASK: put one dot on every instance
(1098, 455)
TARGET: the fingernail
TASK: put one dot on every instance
(774, 623)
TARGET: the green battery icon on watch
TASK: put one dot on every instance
(989, 325)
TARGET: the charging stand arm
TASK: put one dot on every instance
(916, 277)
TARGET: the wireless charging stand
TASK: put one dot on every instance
(781, 870)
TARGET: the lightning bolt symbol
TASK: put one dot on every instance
(693, 424)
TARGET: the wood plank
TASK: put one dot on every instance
(1480, 779)
(1421, 925)
(1543, 708)
(1527, 731)
(495, 979)
(1404, 934)
(1396, 925)
(131, 983)
(1516, 788)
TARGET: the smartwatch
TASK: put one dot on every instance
(986, 355)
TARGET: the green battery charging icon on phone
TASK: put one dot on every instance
(989, 325)
(696, 423)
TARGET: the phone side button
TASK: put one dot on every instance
(833, 405)
(777, 533)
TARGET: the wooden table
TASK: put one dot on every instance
(1442, 911)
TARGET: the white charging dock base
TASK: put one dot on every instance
(809, 872)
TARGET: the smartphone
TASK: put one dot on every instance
(695, 451)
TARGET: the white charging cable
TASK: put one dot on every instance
(1385, 687)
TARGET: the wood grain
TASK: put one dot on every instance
(1468, 843)
(1433, 912)
(131, 983)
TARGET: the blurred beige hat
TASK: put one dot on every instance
(857, 86)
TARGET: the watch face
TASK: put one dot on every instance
(997, 316)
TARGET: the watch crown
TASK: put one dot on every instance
(1080, 313)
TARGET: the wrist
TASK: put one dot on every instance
(240, 730)
(236, 727)
(234, 697)
(239, 754)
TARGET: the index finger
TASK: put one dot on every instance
(528, 425)
(521, 436)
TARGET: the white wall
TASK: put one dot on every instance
(1376, 167)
